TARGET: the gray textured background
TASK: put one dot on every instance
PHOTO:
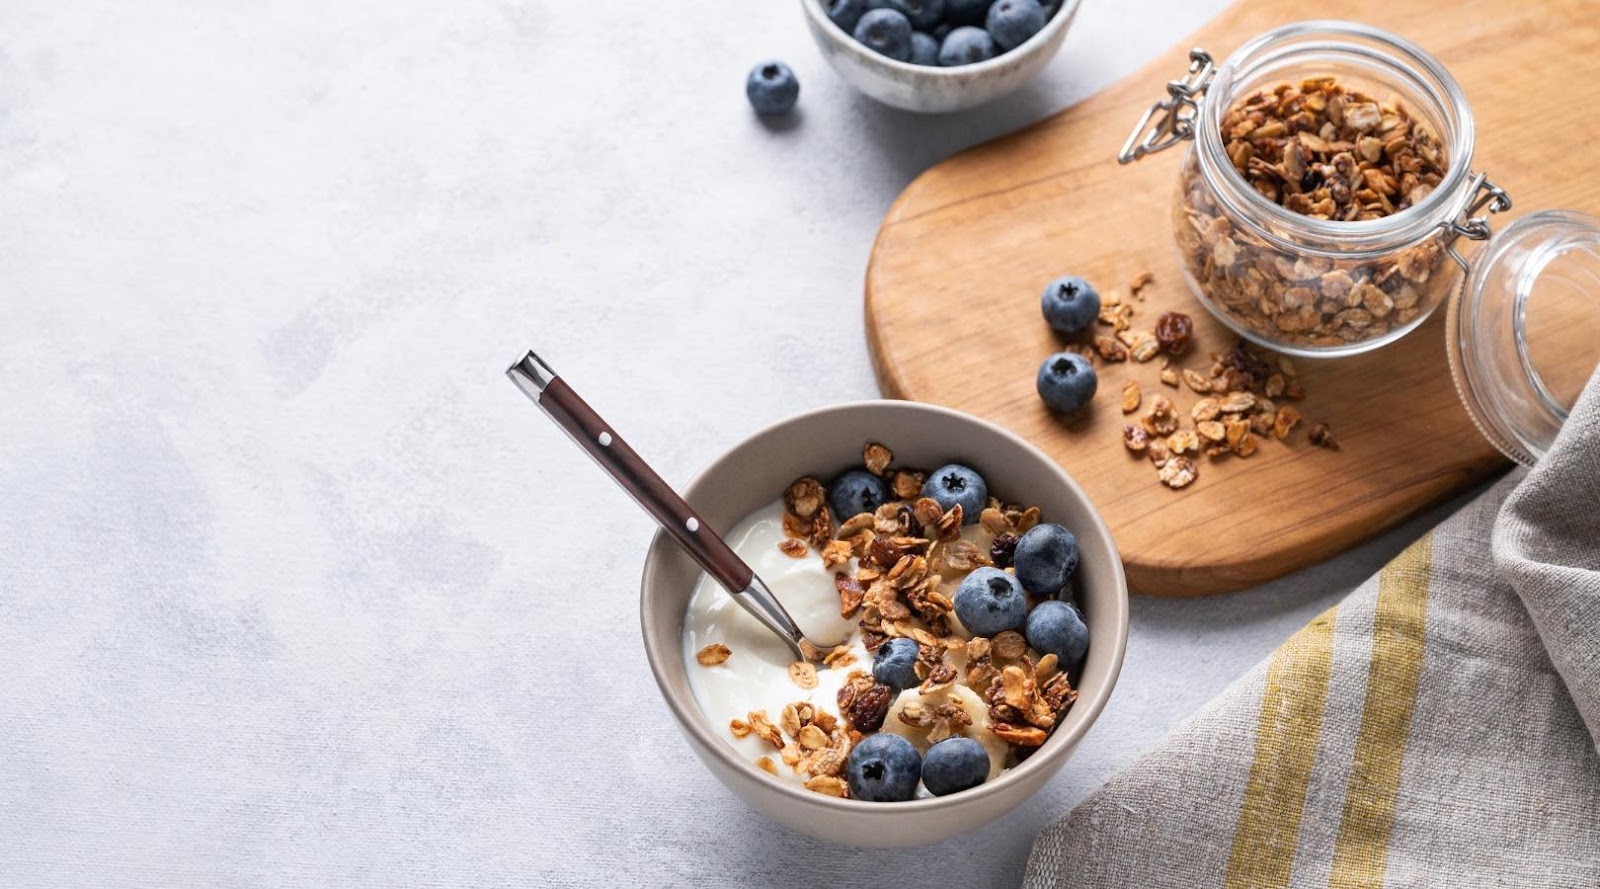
(295, 589)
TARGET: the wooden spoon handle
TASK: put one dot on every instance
(621, 462)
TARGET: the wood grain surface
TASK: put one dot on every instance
(952, 298)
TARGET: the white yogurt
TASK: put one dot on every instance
(756, 675)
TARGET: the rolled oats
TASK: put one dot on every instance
(803, 675)
(1130, 397)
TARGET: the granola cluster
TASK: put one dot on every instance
(1242, 394)
(895, 571)
(1326, 152)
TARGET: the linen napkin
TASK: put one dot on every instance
(1439, 727)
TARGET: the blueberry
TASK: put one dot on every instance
(966, 46)
(847, 13)
(883, 768)
(952, 484)
(1070, 304)
(1012, 22)
(966, 12)
(896, 664)
(855, 492)
(953, 765)
(886, 32)
(1066, 381)
(1057, 628)
(1045, 559)
(990, 601)
(921, 14)
(772, 88)
(924, 49)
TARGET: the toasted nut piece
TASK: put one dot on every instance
(1179, 472)
(1247, 445)
(1287, 418)
(1236, 431)
(1135, 437)
(1183, 441)
(1211, 430)
(1158, 452)
(1206, 409)
(1162, 416)
(876, 458)
(1130, 397)
(1169, 376)
(1110, 349)
(805, 497)
(713, 654)
(907, 484)
(1322, 436)
(794, 549)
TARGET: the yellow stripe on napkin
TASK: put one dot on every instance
(1398, 628)
(1286, 746)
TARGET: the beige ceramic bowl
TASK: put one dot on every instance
(930, 89)
(821, 443)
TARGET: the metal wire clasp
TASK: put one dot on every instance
(1171, 120)
(1483, 194)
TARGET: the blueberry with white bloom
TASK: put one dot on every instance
(954, 484)
(1070, 304)
(1045, 559)
(924, 49)
(1012, 22)
(883, 768)
(955, 764)
(922, 14)
(1066, 382)
(886, 32)
(1057, 627)
(990, 601)
(772, 88)
(966, 45)
(895, 664)
(855, 492)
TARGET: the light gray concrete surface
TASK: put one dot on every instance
(295, 589)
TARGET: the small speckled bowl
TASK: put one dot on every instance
(755, 473)
(929, 89)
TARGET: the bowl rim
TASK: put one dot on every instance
(1059, 744)
(1057, 22)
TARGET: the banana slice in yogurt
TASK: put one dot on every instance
(962, 697)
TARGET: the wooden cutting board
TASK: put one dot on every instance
(952, 297)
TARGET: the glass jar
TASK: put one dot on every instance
(1291, 281)
(1524, 338)
(1523, 328)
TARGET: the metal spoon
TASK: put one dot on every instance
(704, 545)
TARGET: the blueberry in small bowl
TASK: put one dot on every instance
(855, 492)
(1046, 558)
(883, 768)
(982, 54)
(1057, 628)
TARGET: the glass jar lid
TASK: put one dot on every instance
(1524, 335)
